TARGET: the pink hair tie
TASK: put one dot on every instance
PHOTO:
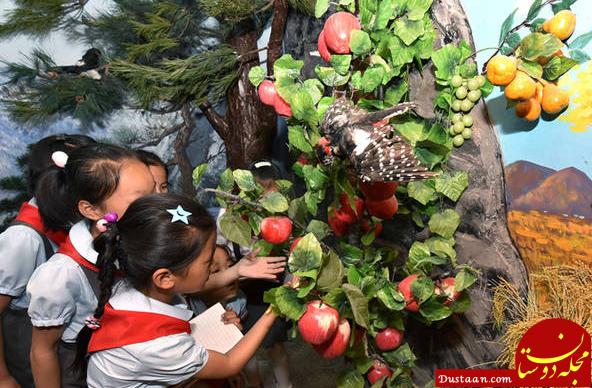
(60, 158)
(92, 323)
(109, 218)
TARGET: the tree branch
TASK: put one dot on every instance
(276, 37)
(216, 120)
(168, 131)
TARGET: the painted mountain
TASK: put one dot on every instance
(550, 214)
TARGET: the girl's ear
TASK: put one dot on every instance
(89, 211)
(163, 278)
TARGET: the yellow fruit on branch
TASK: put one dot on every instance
(501, 70)
(539, 92)
(554, 99)
(521, 88)
(529, 110)
(562, 25)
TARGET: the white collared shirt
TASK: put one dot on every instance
(160, 362)
(59, 291)
(21, 252)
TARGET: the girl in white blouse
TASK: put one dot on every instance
(97, 181)
(140, 334)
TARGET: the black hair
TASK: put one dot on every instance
(143, 241)
(151, 159)
(265, 172)
(39, 159)
(91, 174)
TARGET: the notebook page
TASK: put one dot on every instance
(210, 332)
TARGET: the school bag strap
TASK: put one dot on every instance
(123, 327)
(90, 270)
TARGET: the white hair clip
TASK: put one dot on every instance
(179, 214)
(60, 158)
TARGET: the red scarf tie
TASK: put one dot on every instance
(68, 249)
(29, 215)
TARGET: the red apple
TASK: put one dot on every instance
(338, 28)
(294, 243)
(319, 322)
(446, 287)
(405, 289)
(346, 206)
(276, 230)
(267, 92)
(303, 160)
(388, 339)
(337, 344)
(366, 227)
(378, 190)
(322, 46)
(339, 227)
(377, 371)
(384, 209)
(282, 107)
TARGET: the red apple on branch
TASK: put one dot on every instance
(318, 323)
(388, 339)
(378, 191)
(377, 371)
(346, 206)
(446, 288)
(267, 92)
(337, 344)
(338, 29)
(276, 230)
(384, 209)
(338, 226)
(405, 289)
(322, 46)
(366, 227)
(282, 108)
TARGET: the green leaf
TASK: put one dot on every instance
(558, 66)
(356, 80)
(360, 43)
(341, 62)
(234, 228)
(468, 70)
(198, 173)
(537, 45)
(297, 210)
(513, 40)
(428, 156)
(565, 4)
(433, 310)
(579, 56)
(321, 7)
(420, 258)
(581, 41)
(314, 178)
(391, 297)
(462, 304)
(367, 11)
(422, 289)
(534, 69)
(534, 10)
(350, 254)
(372, 78)
(287, 67)
(400, 53)
(255, 223)
(245, 180)
(226, 181)
(408, 30)
(315, 88)
(487, 88)
(464, 279)
(394, 94)
(257, 75)
(385, 13)
(287, 301)
(422, 191)
(418, 8)
(358, 303)
(446, 59)
(302, 106)
(307, 255)
(274, 202)
(445, 223)
(442, 248)
(324, 104)
(264, 247)
(330, 77)
(331, 272)
(319, 228)
(412, 130)
(297, 139)
(537, 24)
(453, 185)
(402, 356)
(312, 202)
(350, 379)
(506, 26)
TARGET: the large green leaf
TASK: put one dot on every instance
(307, 255)
(446, 59)
(412, 130)
(341, 62)
(395, 93)
(302, 105)
(506, 26)
(465, 279)
(372, 78)
(408, 30)
(315, 88)
(420, 258)
(445, 223)
(287, 67)
(274, 202)
(360, 43)
(297, 138)
(368, 10)
(391, 297)
(257, 75)
(297, 210)
(433, 310)
(581, 41)
(558, 66)
(563, 4)
(422, 289)
(534, 10)
(579, 55)
(533, 69)
(385, 13)
(198, 173)
(234, 228)
(453, 185)
(442, 247)
(418, 8)
(350, 254)
(400, 53)
(321, 7)
(358, 303)
(402, 356)
(286, 299)
(537, 45)
(422, 191)
(245, 180)
(330, 77)
(331, 272)
(319, 228)
(314, 178)
(350, 379)
(226, 181)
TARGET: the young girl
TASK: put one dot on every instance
(165, 245)
(96, 185)
(25, 245)
(158, 169)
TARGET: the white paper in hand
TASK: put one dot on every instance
(210, 332)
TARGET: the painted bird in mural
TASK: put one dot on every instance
(376, 153)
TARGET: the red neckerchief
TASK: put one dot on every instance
(122, 327)
(68, 249)
(29, 214)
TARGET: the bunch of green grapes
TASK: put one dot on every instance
(466, 92)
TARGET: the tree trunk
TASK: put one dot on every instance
(180, 147)
(482, 240)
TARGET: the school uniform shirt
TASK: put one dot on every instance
(160, 362)
(59, 291)
(21, 251)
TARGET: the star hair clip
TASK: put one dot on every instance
(179, 214)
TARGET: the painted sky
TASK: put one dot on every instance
(549, 143)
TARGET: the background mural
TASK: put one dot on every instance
(548, 164)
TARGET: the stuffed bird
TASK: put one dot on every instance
(87, 66)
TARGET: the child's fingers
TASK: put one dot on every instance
(276, 259)
(253, 254)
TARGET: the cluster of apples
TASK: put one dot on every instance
(336, 33)
(444, 287)
(269, 96)
(321, 326)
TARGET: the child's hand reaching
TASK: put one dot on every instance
(231, 317)
(252, 266)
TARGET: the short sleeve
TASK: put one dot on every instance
(52, 291)
(19, 248)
